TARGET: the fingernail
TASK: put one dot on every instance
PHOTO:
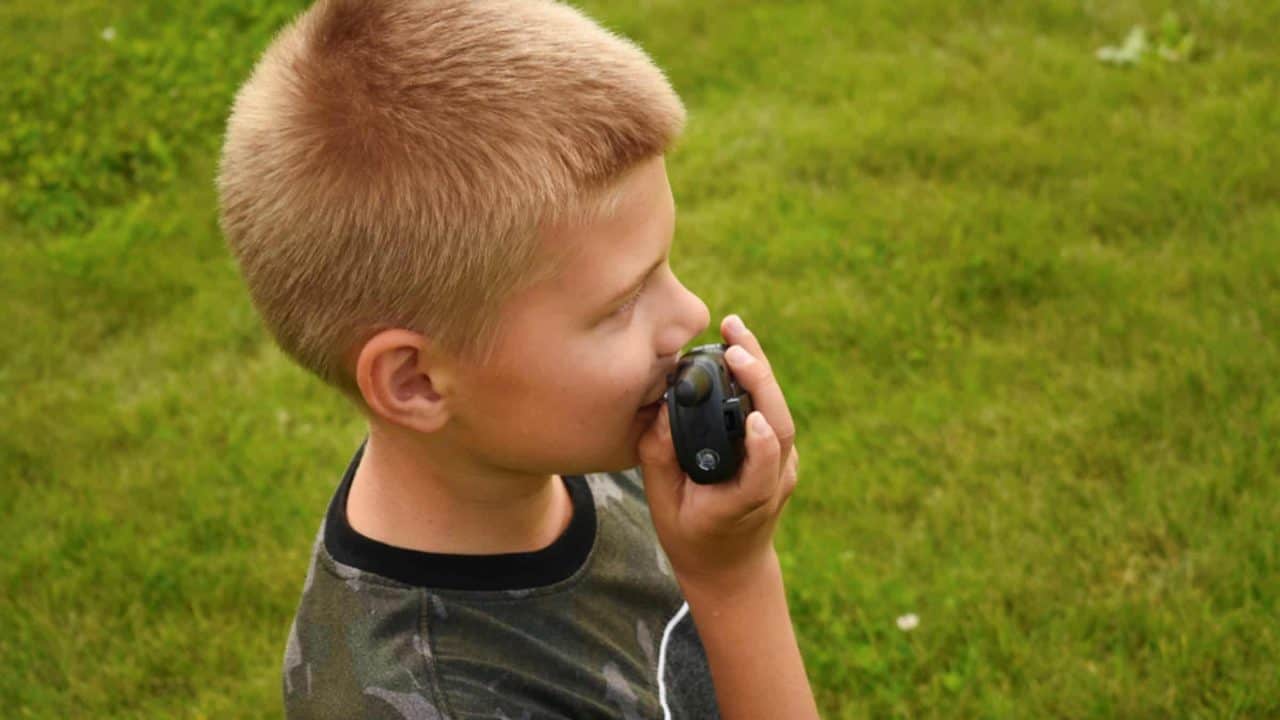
(735, 324)
(759, 425)
(738, 356)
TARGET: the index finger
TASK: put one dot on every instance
(756, 376)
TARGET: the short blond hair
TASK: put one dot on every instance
(393, 163)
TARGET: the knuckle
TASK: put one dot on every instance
(756, 503)
(786, 435)
(764, 373)
(787, 485)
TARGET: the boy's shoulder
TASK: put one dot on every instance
(593, 621)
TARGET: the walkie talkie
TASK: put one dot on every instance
(708, 412)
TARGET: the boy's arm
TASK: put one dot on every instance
(719, 539)
(751, 647)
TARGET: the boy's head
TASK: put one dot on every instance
(427, 197)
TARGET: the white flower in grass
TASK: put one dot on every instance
(908, 622)
(108, 33)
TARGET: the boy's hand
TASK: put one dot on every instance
(719, 536)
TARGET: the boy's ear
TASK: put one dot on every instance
(401, 383)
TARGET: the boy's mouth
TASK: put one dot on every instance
(651, 408)
(661, 400)
(655, 404)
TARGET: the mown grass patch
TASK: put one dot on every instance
(1024, 304)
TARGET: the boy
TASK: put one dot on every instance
(457, 213)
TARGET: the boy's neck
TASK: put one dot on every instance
(401, 497)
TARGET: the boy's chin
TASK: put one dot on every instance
(624, 455)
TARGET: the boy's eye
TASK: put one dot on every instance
(631, 301)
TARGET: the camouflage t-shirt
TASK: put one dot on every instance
(592, 626)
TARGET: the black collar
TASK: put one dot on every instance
(507, 571)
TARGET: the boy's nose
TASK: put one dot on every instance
(696, 316)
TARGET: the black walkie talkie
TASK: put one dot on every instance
(708, 412)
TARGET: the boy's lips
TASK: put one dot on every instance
(662, 395)
(651, 407)
(661, 398)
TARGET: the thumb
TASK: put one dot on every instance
(663, 476)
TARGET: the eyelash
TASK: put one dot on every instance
(631, 302)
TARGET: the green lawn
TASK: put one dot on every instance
(1025, 305)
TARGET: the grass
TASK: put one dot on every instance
(1024, 305)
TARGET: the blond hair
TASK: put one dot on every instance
(393, 163)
